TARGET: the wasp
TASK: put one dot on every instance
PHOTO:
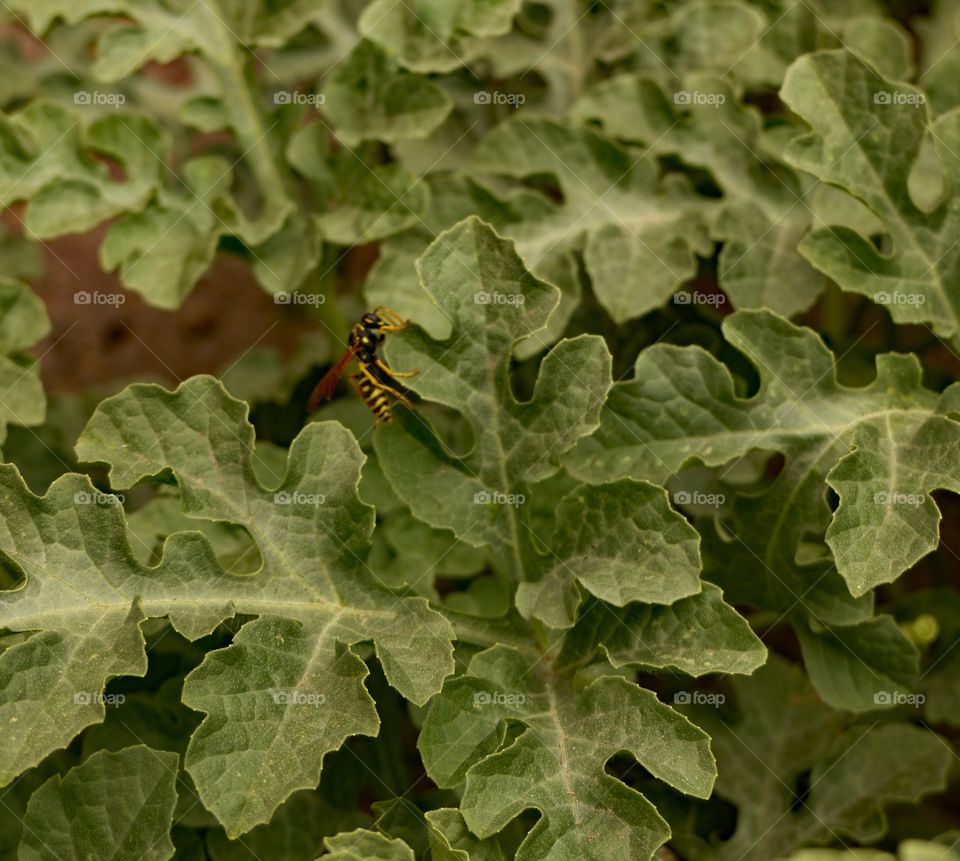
(375, 378)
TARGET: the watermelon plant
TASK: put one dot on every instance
(637, 537)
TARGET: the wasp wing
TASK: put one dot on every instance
(324, 390)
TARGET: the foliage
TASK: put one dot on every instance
(659, 565)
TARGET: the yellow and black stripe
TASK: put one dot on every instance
(373, 396)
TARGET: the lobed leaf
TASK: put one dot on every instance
(695, 635)
(638, 239)
(801, 410)
(433, 36)
(46, 159)
(763, 213)
(368, 96)
(555, 764)
(867, 135)
(785, 731)
(114, 805)
(23, 322)
(615, 541)
(291, 671)
(361, 845)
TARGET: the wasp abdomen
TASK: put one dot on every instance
(373, 396)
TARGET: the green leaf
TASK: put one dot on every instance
(616, 541)
(361, 202)
(316, 695)
(163, 250)
(114, 805)
(887, 518)
(53, 680)
(321, 612)
(23, 322)
(696, 635)
(802, 411)
(314, 596)
(943, 693)
(393, 280)
(264, 374)
(368, 97)
(289, 256)
(434, 36)
(556, 762)
(860, 667)
(882, 43)
(837, 855)
(295, 832)
(762, 215)
(851, 109)
(451, 840)
(862, 758)
(363, 845)
(909, 850)
(710, 35)
(421, 554)
(21, 259)
(171, 227)
(16, 797)
(46, 158)
(785, 731)
(638, 237)
(790, 29)
(491, 301)
(920, 850)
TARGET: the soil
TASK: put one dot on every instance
(227, 314)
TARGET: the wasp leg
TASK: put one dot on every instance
(380, 384)
(394, 322)
(401, 374)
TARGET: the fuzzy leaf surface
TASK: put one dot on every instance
(114, 805)
(620, 542)
(785, 730)
(867, 132)
(555, 764)
(854, 439)
(291, 670)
